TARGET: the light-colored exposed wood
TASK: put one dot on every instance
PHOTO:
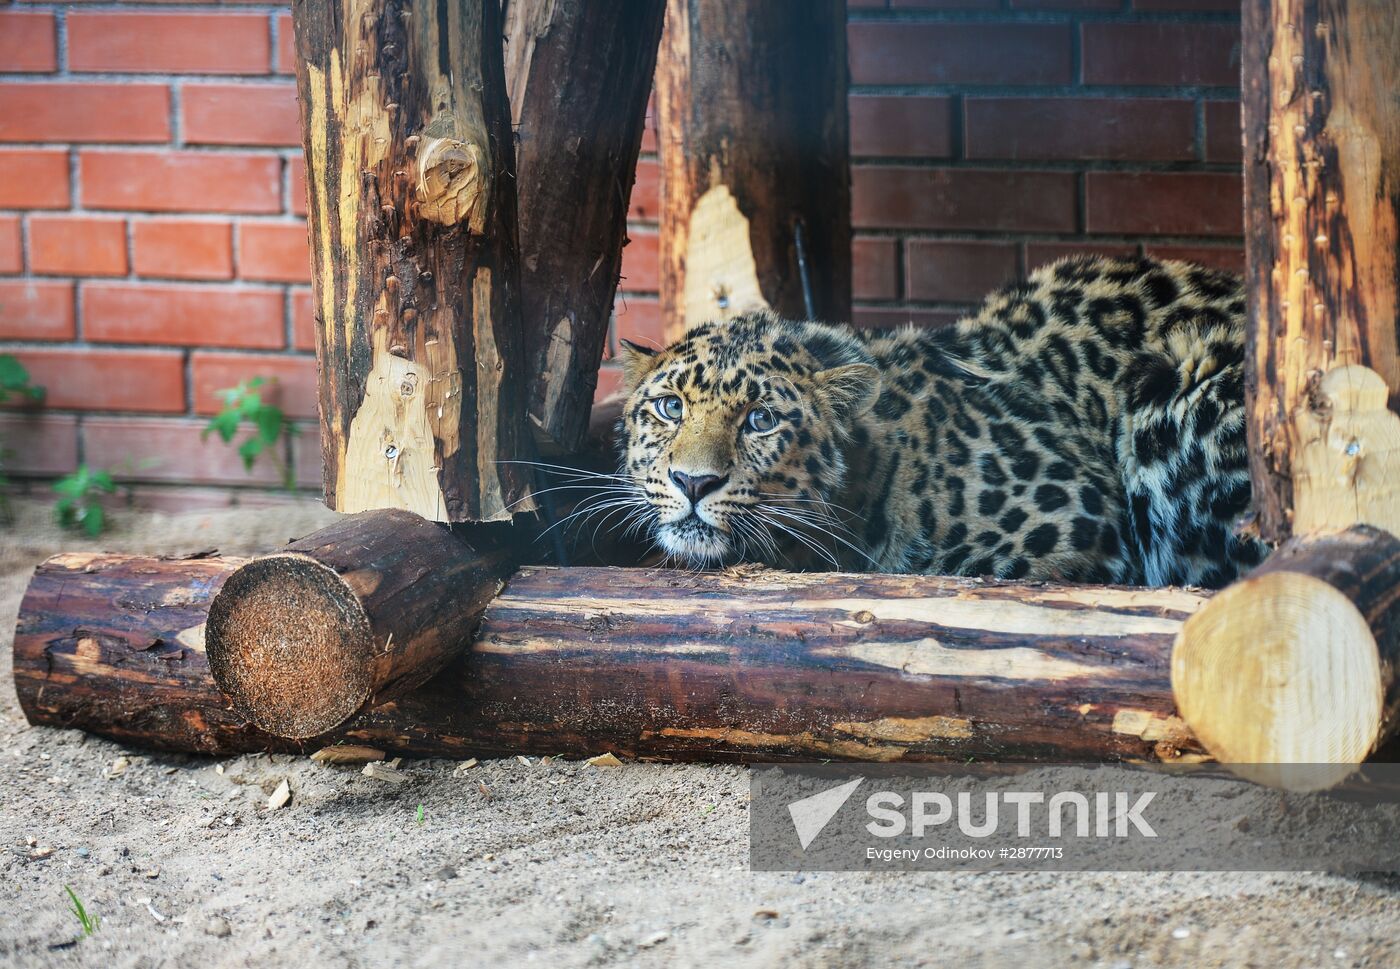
(721, 280)
(1322, 176)
(1346, 466)
(411, 205)
(1289, 675)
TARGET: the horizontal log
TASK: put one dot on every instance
(746, 665)
(114, 644)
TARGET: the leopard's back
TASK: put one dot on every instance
(1084, 425)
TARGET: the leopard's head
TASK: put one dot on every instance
(733, 438)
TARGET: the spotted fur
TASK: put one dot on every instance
(1085, 425)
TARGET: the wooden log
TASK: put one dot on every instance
(755, 160)
(578, 75)
(115, 644)
(1290, 674)
(742, 666)
(411, 204)
(351, 616)
(1322, 187)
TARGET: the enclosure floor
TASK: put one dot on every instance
(559, 865)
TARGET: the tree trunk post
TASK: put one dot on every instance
(1295, 664)
(411, 209)
(1322, 186)
(578, 74)
(755, 160)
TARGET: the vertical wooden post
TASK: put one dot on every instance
(578, 74)
(412, 217)
(755, 160)
(1295, 663)
(1322, 185)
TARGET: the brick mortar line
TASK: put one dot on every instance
(146, 78)
(152, 147)
(61, 39)
(274, 57)
(136, 6)
(165, 282)
(168, 349)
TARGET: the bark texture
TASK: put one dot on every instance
(755, 160)
(578, 74)
(411, 205)
(745, 666)
(347, 618)
(1322, 185)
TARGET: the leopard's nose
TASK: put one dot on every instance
(697, 486)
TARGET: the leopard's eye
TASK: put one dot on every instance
(668, 408)
(760, 420)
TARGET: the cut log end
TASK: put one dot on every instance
(291, 645)
(1284, 675)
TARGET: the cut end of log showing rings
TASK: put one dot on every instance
(349, 617)
(1289, 675)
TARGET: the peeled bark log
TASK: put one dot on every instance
(745, 666)
(411, 205)
(115, 644)
(1322, 186)
(1292, 671)
(578, 74)
(755, 160)
(349, 617)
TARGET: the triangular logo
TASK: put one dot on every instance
(811, 814)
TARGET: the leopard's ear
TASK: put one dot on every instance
(637, 362)
(852, 390)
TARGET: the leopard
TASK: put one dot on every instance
(1084, 425)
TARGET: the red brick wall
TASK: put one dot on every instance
(153, 250)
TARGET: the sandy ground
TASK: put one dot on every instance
(558, 864)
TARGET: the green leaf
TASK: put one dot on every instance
(269, 421)
(225, 424)
(102, 481)
(94, 520)
(13, 376)
(249, 451)
(73, 485)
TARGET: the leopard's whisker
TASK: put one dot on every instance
(811, 544)
(590, 509)
(816, 525)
